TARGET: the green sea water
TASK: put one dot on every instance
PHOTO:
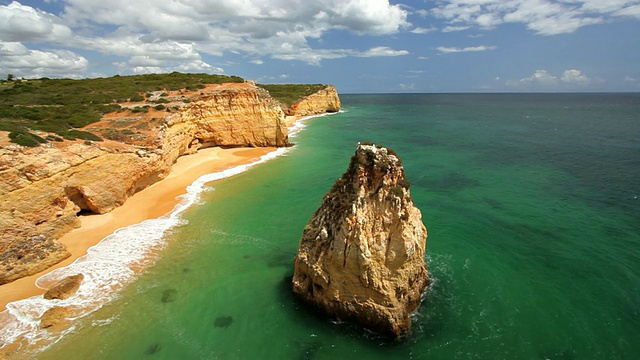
(533, 211)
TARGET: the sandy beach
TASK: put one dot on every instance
(152, 202)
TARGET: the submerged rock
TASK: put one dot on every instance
(223, 321)
(169, 295)
(54, 316)
(153, 348)
(361, 257)
(65, 287)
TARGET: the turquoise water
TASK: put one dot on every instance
(532, 206)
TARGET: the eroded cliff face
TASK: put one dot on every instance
(43, 189)
(361, 257)
(325, 100)
(247, 116)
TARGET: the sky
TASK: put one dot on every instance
(360, 46)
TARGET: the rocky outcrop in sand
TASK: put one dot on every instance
(43, 189)
(325, 100)
(361, 257)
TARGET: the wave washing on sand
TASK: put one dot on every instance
(108, 266)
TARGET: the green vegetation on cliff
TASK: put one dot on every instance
(291, 93)
(61, 105)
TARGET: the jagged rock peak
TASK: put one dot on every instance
(361, 256)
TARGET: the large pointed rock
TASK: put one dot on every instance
(361, 257)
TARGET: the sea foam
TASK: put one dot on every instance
(109, 265)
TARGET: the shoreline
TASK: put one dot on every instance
(152, 202)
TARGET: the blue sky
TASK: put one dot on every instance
(357, 45)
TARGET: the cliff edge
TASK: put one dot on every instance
(361, 256)
(44, 189)
(324, 100)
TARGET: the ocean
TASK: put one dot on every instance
(531, 201)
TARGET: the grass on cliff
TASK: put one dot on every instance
(61, 105)
(290, 93)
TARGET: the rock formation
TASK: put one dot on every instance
(54, 316)
(43, 189)
(361, 257)
(65, 287)
(325, 100)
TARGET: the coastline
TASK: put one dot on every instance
(152, 202)
(101, 239)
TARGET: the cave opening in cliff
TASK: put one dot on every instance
(77, 196)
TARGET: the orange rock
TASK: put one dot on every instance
(361, 257)
(325, 100)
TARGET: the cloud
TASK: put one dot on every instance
(364, 16)
(449, 50)
(633, 11)
(544, 17)
(455, 28)
(150, 35)
(148, 65)
(314, 57)
(571, 79)
(422, 13)
(575, 77)
(540, 77)
(380, 51)
(421, 30)
(255, 19)
(23, 23)
(17, 59)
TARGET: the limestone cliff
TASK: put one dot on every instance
(43, 189)
(325, 100)
(361, 257)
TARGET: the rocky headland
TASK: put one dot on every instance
(45, 189)
(361, 256)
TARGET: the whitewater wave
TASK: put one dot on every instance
(109, 265)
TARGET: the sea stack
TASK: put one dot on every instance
(361, 256)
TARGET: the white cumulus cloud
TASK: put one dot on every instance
(540, 77)
(575, 77)
(24, 23)
(17, 59)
